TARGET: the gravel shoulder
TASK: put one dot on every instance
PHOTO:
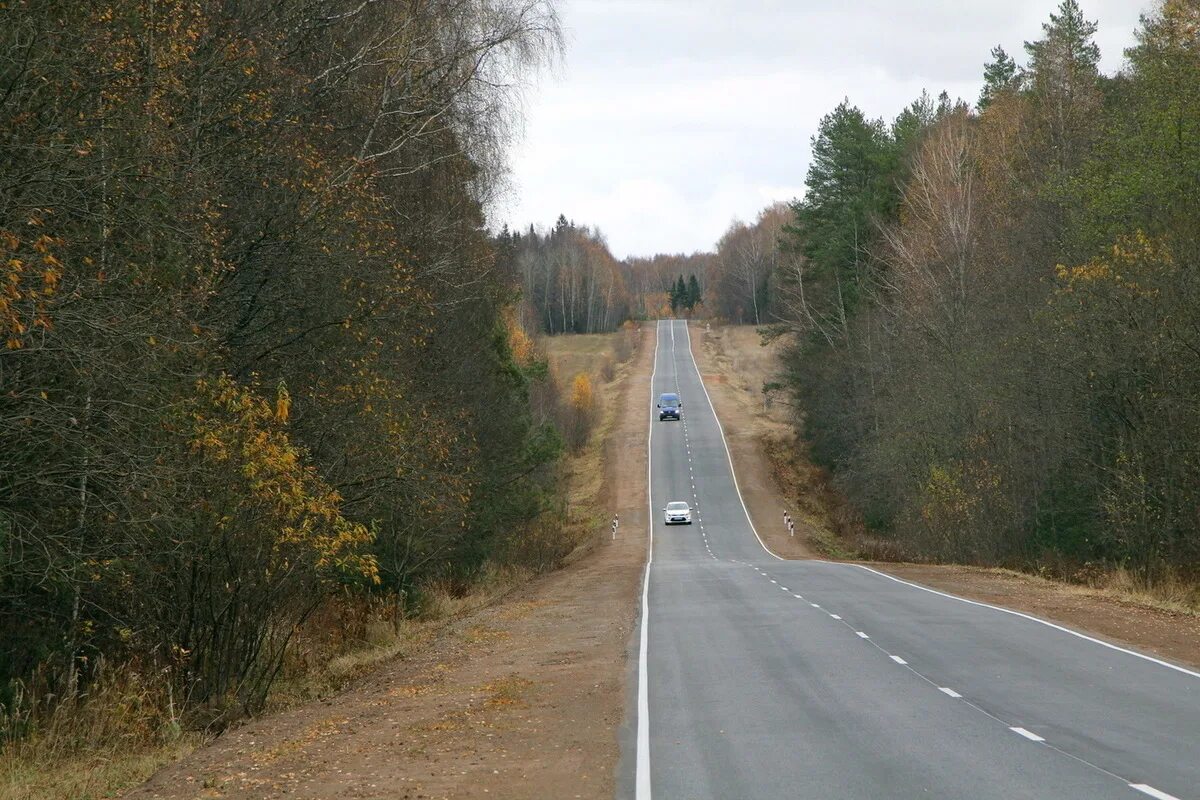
(735, 365)
(522, 699)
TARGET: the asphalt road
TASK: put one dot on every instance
(764, 678)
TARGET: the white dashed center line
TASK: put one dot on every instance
(949, 692)
(898, 660)
(1150, 790)
(1030, 735)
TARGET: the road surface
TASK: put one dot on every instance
(764, 678)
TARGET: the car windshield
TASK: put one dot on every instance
(677, 506)
(670, 402)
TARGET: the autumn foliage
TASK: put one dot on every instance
(582, 410)
(239, 374)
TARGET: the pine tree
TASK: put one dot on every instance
(916, 117)
(999, 75)
(693, 292)
(1066, 53)
(1064, 82)
(560, 226)
(678, 295)
(851, 189)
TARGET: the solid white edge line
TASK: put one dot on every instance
(642, 770)
(728, 455)
(1030, 735)
(1150, 790)
(1032, 618)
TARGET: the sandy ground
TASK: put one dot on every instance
(735, 365)
(522, 699)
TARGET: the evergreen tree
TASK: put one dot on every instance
(1063, 79)
(682, 293)
(677, 294)
(999, 75)
(851, 188)
(693, 292)
(944, 105)
(913, 120)
(560, 226)
(1066, 50)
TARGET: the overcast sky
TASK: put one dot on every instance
(670, 118)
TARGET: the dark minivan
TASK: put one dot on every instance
(669, 407)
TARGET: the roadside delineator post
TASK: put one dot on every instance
(789, 524)
(614, 526)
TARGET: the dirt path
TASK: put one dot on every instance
(520, 700)
(735, 365)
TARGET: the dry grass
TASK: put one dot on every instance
(122, 734)
(584, 471)
(570, 354)
(92, 775)
(509, 691)
(119, 734)
(1166, 592)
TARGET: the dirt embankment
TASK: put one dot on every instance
(735, 366)
(522, 699)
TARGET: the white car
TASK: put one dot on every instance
(678, 511)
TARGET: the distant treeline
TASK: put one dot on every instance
(736, 282)
(998, 306)
(570, 282)
(255, 349)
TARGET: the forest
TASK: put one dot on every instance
(569, 281)
(996, 308)
(262, 359)
(258, 351)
